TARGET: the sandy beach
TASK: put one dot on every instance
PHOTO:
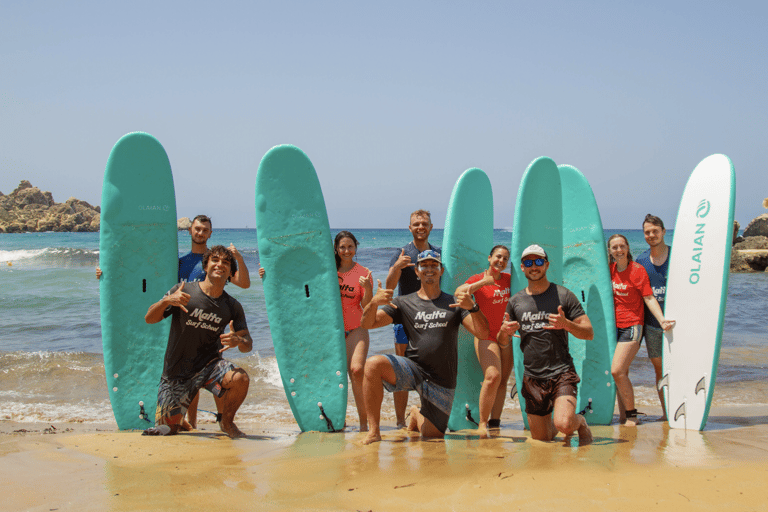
(95, 467)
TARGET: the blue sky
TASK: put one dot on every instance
(391, 102)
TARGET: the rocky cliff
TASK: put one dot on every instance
(28, 209)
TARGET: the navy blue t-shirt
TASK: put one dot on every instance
(658, 278)
(409, 282)
(191, 267)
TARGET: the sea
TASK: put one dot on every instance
(52, 367)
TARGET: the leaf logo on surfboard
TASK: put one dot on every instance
(703, 209)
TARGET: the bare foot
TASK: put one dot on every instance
(186, 426)
(231, 429)
(631, 422)
(363, 427)
(372, 437)
(585, 435)
(413, 424)
(401, 424)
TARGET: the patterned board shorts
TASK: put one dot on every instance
(174, 396)
(436, 401)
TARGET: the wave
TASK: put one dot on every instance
(51, 255)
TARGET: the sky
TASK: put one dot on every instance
(391, 101)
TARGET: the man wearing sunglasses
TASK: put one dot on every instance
(545, 313)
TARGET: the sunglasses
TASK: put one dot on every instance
(529, 263)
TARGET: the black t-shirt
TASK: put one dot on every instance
(545, 351)
(432, 328)
(409, 281)
(194, 338)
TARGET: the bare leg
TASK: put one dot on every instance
(236, 382)
(377, 370)
(622, 359)
(506, 370)
(423, 425)
(657, 368)
(357, 351)
(400, 397)
(490, 361)
(191, 421)
(567, 421)
(542, 427)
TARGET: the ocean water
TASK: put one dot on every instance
(51, 364)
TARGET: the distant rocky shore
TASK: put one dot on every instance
(28, 209)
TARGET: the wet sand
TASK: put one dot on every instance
(96, 467)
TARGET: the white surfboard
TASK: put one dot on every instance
(697, 288)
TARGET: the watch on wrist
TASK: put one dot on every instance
(475, 308)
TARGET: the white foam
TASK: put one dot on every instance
(20, 254)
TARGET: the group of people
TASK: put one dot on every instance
(426, 323)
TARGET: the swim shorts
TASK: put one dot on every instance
(631, 333)
(174, 396)
(540, 394)
(653, 340)
(436, 401)
(400, 337)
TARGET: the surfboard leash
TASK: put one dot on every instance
(587, 408)
(469, 416)
(328, 421)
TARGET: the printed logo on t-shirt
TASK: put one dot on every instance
(536, 321)
(350, 291)
(618, 288)
(500, 296)
(427, 319)
(202, 319)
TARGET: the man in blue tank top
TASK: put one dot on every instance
(656, 262)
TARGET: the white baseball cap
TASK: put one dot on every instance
(534, 250)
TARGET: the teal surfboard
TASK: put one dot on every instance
(138, 254)
(301, 289)
(586, 273)
(467, 240)
(697, 288)
(556, 209)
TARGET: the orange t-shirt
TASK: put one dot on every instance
(352, 295)
(493, 299)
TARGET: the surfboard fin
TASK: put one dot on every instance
(701, 385)
(680, 411)
(663, 383)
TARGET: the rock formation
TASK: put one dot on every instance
(750, 251)
(28, 209)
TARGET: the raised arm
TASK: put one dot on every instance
(475, 322)
(473, 287)
(393, 277)
(580, 327)
(178, 298)
(242, 277)
(373, 317)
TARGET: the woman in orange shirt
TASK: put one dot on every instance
(631, 292)
(356, 288)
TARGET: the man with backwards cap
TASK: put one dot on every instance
(545, 313)
(431, 320)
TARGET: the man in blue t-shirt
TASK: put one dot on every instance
(402, 274)
(656, 262)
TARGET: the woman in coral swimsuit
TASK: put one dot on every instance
(356, 287)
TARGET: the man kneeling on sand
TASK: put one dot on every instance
(545, 313)
(431, 320)
(200, 312)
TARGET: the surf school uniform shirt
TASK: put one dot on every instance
(493, 299)
(432, 327)
(545, 351)
(409, 281)
(352, 295)
(629, 288)
(194, 338)
(191, 267)
(657, 275)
